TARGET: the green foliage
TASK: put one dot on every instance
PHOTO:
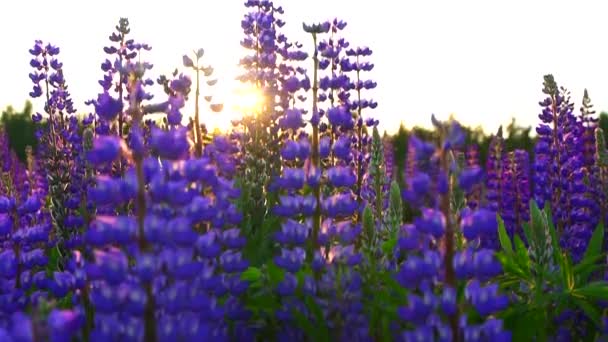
(257, 225)
(603, 123)
(369, 231)
(395, 208)
(20, 129)
(384, 295)
(378, 172)
(545, 282)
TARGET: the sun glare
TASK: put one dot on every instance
(241, 100)
(238, 99)
(247, 99)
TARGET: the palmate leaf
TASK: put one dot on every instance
(515, 263)
(510, 266)
(537, 225)
(593, 256)
(585, 268)
(597, 291)
(521, 255)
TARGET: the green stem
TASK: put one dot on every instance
(450, 276)
(359, 147)
(149, 310)
(197, 124)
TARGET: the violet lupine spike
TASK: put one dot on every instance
(473, 196)
(193, 198)
(272, 67)
(589, 122)
(589, 125)
(389, 169)
(24, 240)
(423, 265)
(122, 52)
(358, 104)
(494, 170)
(333, 156)
(517, 193)
(294, 208)
(560, 177)
(422, 174)
(61, 149)
(376, 181)
(389, 158)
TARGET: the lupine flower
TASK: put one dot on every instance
(564, 149)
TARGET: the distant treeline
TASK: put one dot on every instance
(20, 129)
(21, 132)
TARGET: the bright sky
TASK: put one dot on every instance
(481, 60)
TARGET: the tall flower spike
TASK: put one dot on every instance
(494, 171)
(560, 151)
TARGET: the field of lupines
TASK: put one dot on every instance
(126, 225)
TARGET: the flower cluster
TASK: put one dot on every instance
(431, 268)
(560, 153)
(127, 224)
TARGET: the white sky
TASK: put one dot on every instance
(481, 60)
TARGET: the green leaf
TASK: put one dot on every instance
(505, 241)
(508, 264)
(595, 244)
(388, 246)
(596, 290)
(275, 273)
(386, 330)
(522, 256)
(252, 274)
(567, 272)
(392, 284)
(266, 302)
(523, 324)
(66, 302)
(369, 227)
(536, 217)
(587, 266)
(527, 233)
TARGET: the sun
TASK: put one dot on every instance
(247, 99)
(238, 99)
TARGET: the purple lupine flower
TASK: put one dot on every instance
(424, 251)
(517, 192)
(494, 172)
(561, 171)
(108, 107)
